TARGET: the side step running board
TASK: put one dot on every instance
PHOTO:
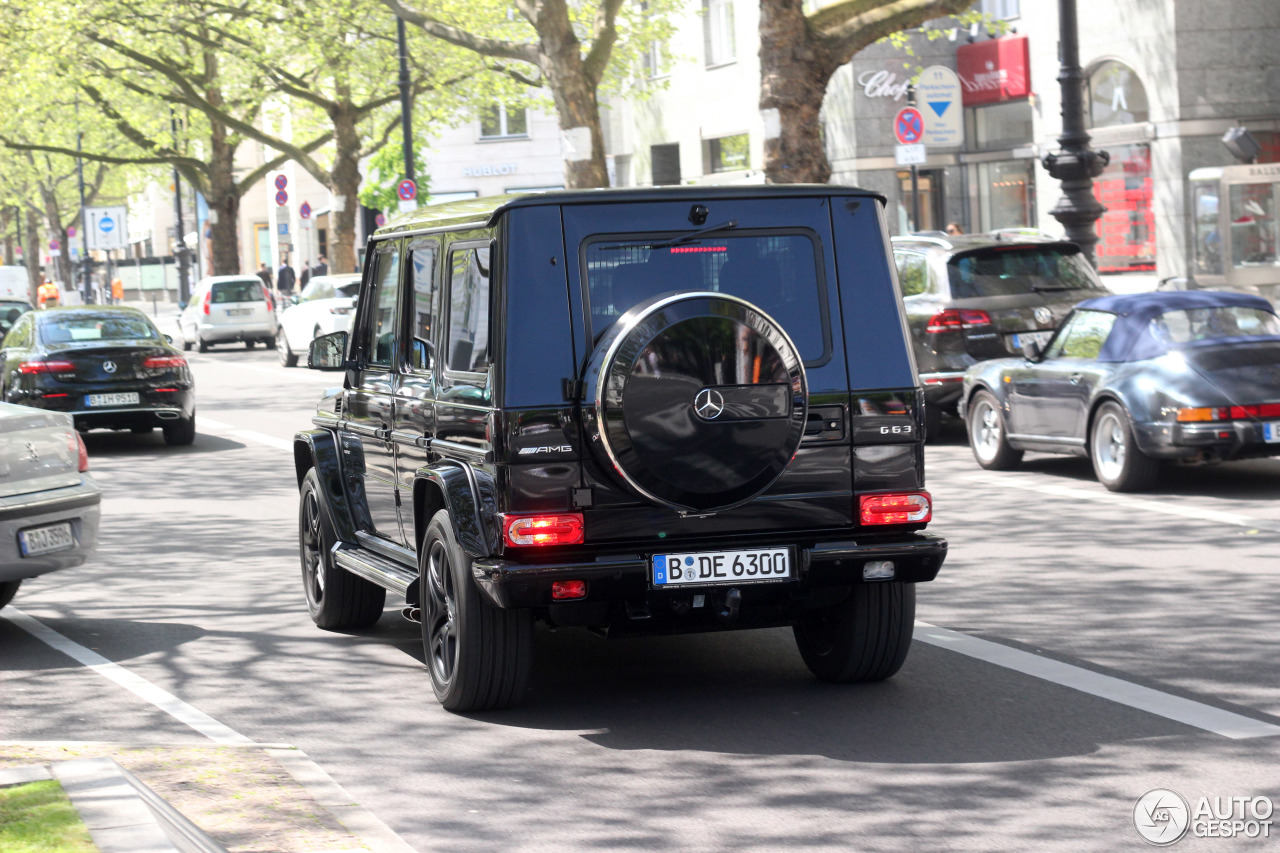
(374, 568)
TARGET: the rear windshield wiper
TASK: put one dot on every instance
(694, 235)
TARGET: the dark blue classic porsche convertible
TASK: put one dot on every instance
(1132, 380)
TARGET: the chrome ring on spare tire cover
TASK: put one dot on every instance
(699, 400)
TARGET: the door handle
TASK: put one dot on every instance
(1076, 377)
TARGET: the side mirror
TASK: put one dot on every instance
(1032, 351)
(168, 339)
(328, 352)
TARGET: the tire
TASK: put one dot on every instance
(181, 433)
(8, 589)
(288, 358)
(866, 637)
(186, 343)
(269, 343)
(1118, 463)
(201, 346)
(479, 656)
(248, 344)
(932, 421)
(987, 437)
(336, 599)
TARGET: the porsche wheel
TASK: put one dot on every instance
(987, 436)
(1117, 461)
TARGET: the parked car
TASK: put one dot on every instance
(640, 411)
(48, 502)
(975, 297)
(1132, 380)
(10, 311)
(325, 305)
(105, 365)
(226, 309)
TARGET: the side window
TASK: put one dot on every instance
(379, 325)
(467, 344)
(1084, 336)
(913, 273)
(426, 305)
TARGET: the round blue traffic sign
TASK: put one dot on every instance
(908, 126)
(106, 225)
(407, 190)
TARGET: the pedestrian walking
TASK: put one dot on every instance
(305, 274)
(264, 273)
(954, 229)
(285, 278)
(47, 293)
(117, 291)
(322, 267)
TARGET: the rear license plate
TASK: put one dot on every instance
(238, 312)
(46, 540)
(122, 399)
(717, 567)
(1040, 338)
(1271, 432)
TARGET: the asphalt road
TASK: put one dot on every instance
(1079, 649)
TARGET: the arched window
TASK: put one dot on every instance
(1116, 95)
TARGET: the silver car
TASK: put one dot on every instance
(226, 309)
(48, 504)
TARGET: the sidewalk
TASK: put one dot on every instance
(255, 798)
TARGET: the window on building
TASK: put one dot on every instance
(717, 31)
(1003, 125)
(322, 238)
(445, 198)
(665, 162)
(498, 121)
(728, 153)
(929, 184)
(1001, 9)
(1114, 95)
(1127, 230)
(1007, 194)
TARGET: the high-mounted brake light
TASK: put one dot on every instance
(208, 297)
(559, 529)
(45, 366)
(687, 250)
(154, 362)
(953, 319)
(903, 508)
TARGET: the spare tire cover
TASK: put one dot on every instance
(699, 400)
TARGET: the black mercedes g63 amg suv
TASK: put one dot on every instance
(637, 411)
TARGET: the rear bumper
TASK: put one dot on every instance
(626, 577)
(213, 333)
(1209, 441)
(78, 505)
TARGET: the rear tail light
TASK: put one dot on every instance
(560, 529)
(76, 445)
(953, 319)
(266, 295)
(1228, 413)
(208, 297)
(46, 366)
(902, 508)
(155, 362)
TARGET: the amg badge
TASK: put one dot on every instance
(554, 448)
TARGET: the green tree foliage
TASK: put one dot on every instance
(386, 170)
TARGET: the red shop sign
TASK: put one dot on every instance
(995, 70)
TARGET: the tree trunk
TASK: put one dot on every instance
(31, 252)
(794, 71)
(224, 204)
(577, 107)
(53, 225)
(7, 221)
(344, 184)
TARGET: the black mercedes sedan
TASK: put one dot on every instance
(109, 367)
(1132, 380)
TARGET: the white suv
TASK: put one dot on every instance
(325, 306)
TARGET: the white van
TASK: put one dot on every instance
(14, 285)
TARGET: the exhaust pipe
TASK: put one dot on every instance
(413, 614)
(168, 416)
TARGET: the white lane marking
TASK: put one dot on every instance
(246, 434)
(1176, 708)
(1013, 480)
(136, 684)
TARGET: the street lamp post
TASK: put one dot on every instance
(180, 248)
(84, 223)
(406, 122)
(1075, 164)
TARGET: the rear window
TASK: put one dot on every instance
(69, 328)
(236, 291)
(1000, 271)
(777, 271)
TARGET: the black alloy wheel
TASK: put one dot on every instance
(479, 657)
(288, 358)
(866, 637)
(336, 599)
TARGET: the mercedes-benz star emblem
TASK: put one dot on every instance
(709, 404)
(1043, 316)
(109, 366)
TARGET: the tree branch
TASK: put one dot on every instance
(499, 48)
(604, 36)
(846, 28)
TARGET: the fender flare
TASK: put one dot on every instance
(318, 448)
(469, 497)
